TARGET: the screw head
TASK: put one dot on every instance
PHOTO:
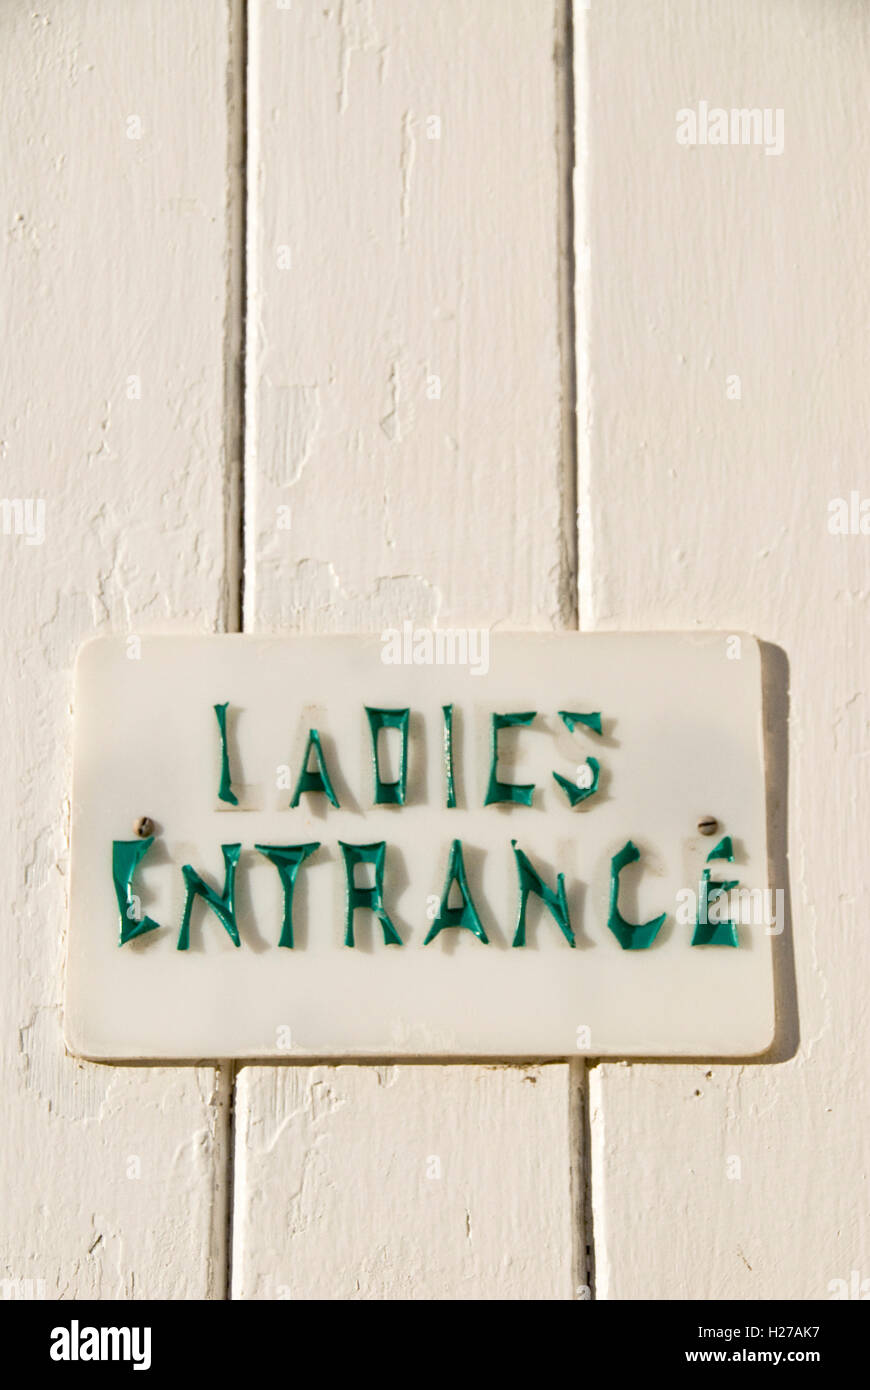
(144, 827)
(708, 825)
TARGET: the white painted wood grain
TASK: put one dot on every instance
(405, 408)
(115, 264)
(699, 510)
(406, 1182)
(414, 265)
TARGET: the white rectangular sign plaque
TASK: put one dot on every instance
(420, 844)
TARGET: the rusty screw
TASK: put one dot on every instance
(144, 827)
(708, 825)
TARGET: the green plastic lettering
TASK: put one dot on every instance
(318, 780)
(632, 936)
(389, 793)
(127, 855)
(574, 792)
(531, 882)
(287, 860)
(591, 721)
(371, 898)
(464, 916)
(225, 791)
(221, 905)
(724, 850)
(577, 794)
(520, 794)
(718, 933)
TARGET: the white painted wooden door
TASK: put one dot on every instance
(514, 357)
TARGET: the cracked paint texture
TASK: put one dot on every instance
(114, 1176)
(666, 447)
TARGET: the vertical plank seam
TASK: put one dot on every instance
(234, 469)
(563, 61)
(234, 319)
(251, 162)
(585, 1198)
(230, 1071)
(581, 302)
(583, 1253)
